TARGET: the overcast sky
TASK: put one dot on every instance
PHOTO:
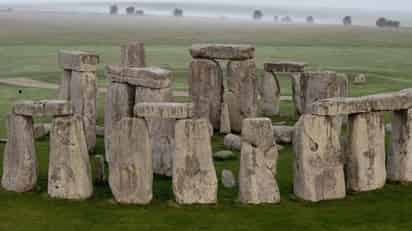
(402, 5)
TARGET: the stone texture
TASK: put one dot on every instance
(69, 164)
(242, 95)
(228, 179)
(133, 55)
(78, 61)
(283, 134)
(20, 167)
(258, 163)
(269, 90)
(99, 172)
(309, 87)
(399, 163)
(41, 130)
(223, 51)
(118, 104)
(206, 89)
(318, 165)
(232, 142)
(284, 66)
(130, 166)
(194, 175)
(164, 110)
(223, 155)
(64, 87)
(225, 119)
(83, 92)
(43, 108)
(151, 77)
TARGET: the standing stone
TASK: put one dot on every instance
(399, 165)
(318, 165)
(119, 104)
(99, 173)
(270, 92)
(64, 88)
(83, 91)
(228, 179)
(130, 166)
(365, 163)
(133, 55)
(242, 97)
(206, 89)
(69, 164)
(161, 130)
(258, 163)
(20, 168)
(225, 119)
(194, 175)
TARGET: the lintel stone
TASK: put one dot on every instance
(78, 61)
(43, 108)
(164, 110)
(223, 51)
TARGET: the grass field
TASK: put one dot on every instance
(28, 48)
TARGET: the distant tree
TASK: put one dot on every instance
(130, 10)
(276, 18)
(139, 12)
(177, 12)
(310, 19)
(383, 22)
(114, 9)
(257, 14)
(287, 19)
(347, 20)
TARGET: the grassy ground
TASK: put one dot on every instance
(28, 46)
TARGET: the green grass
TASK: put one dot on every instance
(28, 48)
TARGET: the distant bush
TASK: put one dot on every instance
(383, 22)
(140, 12)
(276, 18)
(287, 19)
(310, 19)
(114, 9)
(177, 12)
(347, 20)
(257, 14)
(130, 10)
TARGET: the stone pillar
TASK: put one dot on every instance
(64, 88)
(365, 162)
(20, 167)
(194, 175)
(133, 55)
(242, 93)
(269, 89)
(399, 164)
(258, 163)
(69, 164)
(206, 89)
(130, 166)
(225, 119)
(318, 165)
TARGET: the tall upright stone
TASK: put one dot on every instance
(269, 89)
(194, 175)
(318, 164)
(206, 89)
(69, 164)
(20, 167)
(130, 165)
(258, 163)
(133, 55)
(64, 88)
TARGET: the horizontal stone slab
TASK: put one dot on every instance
(164, 110)
(284, 66)
(78, 60)
(151, 77)
(393, 101)
(223, 51)
(43, 108)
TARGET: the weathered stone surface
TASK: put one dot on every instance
(399, 164)
(130, 165)
(258, 163)
(206, 89)
(283, 134)
(194, 175)
(99, 172)
(232, 142)
(318, 165)
(223, 155)
(83, 92)
(365, 162)
(20, 167)
(228, 179)
(43, 108)
(119, 104)
(78, 61)
(161, 130)
(284, 66)
(41, 130)
(269, 90)
(164, 110)
(69, 164)
(225, 119)
(393, 101)
(309, 87)
(223, 51)
(64, 88)
(133, 55)
(242, 95)
(151, 77)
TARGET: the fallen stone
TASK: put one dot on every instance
(130, 165)
(269, 89)
(43, 108)
(232, 142)
(99, 172)
(258, 163)
(228, 179)
(194, 175)
(78, 61)
(20, 166)
(225, 119)
(133, 55)
(223, 155)
(359, 79)
(223, 51)
(164, 110)
(69, 165)
(283, 134)
(284, 66)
